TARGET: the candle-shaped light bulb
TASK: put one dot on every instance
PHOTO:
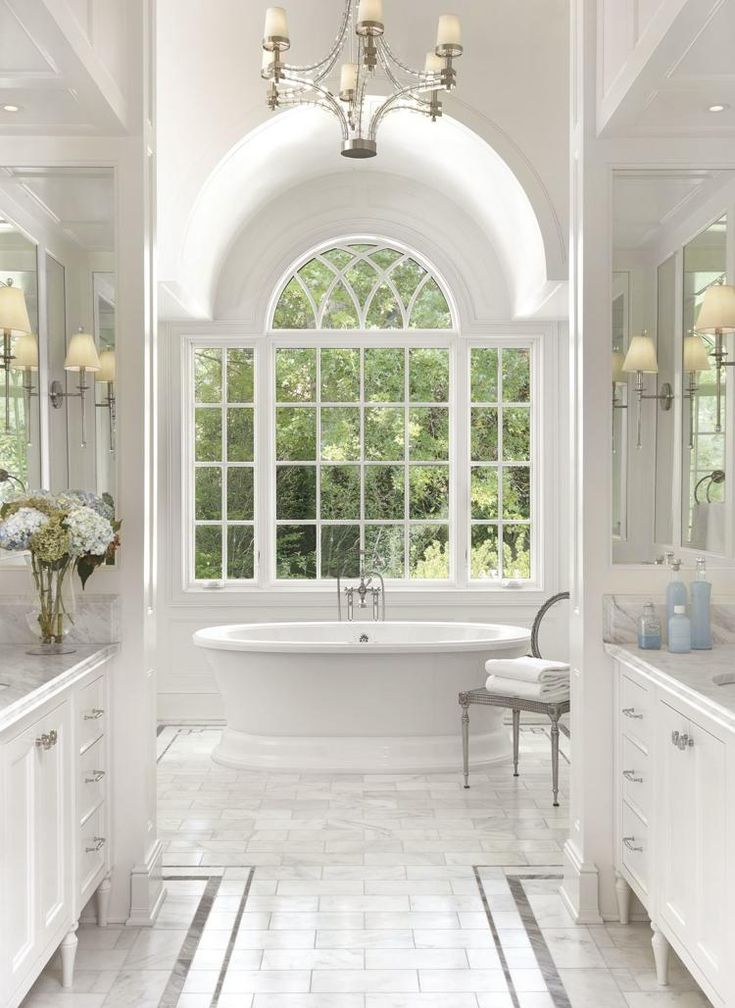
(449, 35)
(434, 64)
(275, 33)
(266, 66)
(347, 81)
(370, 11)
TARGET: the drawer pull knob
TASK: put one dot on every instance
(94, 715)
(96, 777)
(630, 843)
(47, 741)
(98, 842)
(631, 776)
(675, 738)
(631, 712)
(685, 741)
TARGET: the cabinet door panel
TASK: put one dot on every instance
(53, 824)
(677, 828)
(709, 756)
(18, 892)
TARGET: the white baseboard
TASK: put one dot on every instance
(579, 890)
(147, 891)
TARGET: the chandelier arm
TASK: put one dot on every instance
(382, 44)
(386, 107)
(323, 66)
(385, 63)
(329, 101)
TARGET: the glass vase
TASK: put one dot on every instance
(51, 612)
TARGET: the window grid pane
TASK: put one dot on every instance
(222, 477)
(364, 444)
(501, 463)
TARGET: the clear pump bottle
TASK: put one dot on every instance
(700, 615)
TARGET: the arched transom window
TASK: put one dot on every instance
(362, 286)
(363, 421)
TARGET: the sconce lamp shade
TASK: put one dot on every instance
(106, 372)
(13, 311)
(641, 355)
(25, 352)
(81, 353)
(718, 310)
(619, 377)
(696, 357)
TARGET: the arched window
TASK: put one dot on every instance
(362, 421)
(362, 286)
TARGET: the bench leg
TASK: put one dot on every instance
(555, 758)
(465, 705)
(516, 739)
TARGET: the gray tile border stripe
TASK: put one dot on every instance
(496, 938)
(540, 949)
(231, 942)
(177, 979)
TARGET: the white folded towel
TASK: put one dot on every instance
(546, 692)
(532, 670)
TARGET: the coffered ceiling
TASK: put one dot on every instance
(62, 67)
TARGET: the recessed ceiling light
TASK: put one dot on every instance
(11, 108)
(717, 108)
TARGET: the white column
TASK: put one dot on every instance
(588, 887)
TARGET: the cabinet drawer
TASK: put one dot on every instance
(636, 707)
(635, 774)
(634, 847)
(93, 854)
(91, 713)
(92, 778)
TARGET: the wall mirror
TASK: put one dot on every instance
(673, 242)
(57, 245)
(20, 451)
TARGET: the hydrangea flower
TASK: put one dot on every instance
(89, 532)
(72, 499)
(16, 530)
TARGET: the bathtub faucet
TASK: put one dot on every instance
(371, 587)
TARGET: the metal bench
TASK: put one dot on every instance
(517, 704)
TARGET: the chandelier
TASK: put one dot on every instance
(360, 47)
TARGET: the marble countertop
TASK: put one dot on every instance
(692, 675)
(27, 680)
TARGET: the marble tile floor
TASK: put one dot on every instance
(352, 891)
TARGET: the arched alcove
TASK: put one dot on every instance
(447, 174)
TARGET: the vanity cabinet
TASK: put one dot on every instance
(674, 825)
(54, 850)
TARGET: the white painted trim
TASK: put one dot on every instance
(147, 891)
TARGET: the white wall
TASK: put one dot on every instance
(427, 220)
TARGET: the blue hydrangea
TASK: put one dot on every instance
(17, 529)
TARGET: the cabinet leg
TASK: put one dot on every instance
(68, 955)
(661, 955)
(623, 891)
(103, 901)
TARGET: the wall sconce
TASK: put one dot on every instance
(106, 373)
(639, 360)
(26, 360)
(618, 378)
(13, 318)
(716, 317)
(695, 360)
(81, 357)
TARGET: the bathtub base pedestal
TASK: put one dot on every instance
(328, 754)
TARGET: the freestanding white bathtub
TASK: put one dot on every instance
(355, 697)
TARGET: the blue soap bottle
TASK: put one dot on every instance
(649, 629)
(701, 596)
(676, 593)
(680, 631)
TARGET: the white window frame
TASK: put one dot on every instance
(459, 455)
